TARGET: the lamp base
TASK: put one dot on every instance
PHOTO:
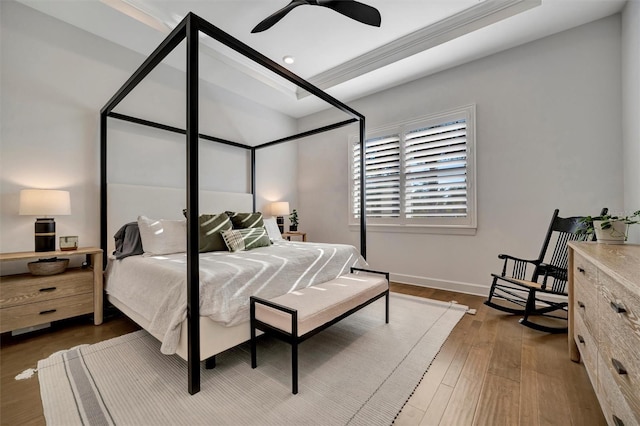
(280, 222)
(45, 234)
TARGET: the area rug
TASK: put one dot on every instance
(359, 371)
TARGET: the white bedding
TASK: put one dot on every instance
(155, 286)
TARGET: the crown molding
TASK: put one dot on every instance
(481, 15)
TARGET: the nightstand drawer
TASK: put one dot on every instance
(16, 290)
(46, 311)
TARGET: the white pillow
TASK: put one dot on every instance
(161, 236)
(272, 228)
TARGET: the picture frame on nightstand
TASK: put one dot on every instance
(69, 243)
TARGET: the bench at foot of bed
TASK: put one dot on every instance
(296, 316)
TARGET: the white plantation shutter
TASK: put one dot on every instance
(436, 171)
(382, 177)
(420, 173)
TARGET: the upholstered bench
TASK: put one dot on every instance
(296, 316)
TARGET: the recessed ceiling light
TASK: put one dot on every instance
(288, 59)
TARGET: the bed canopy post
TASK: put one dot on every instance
(363, 192)
(253, 177)
(193, 258)
(103, 188)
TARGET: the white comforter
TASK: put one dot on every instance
(155, 286)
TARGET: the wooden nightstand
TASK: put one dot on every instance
(27, 300)
(288, 235)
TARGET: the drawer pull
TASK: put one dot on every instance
(618, 366)
(617, 421)
(580, 338)
(618, 307)
(581, 304)
(580, 269)
(50, 311)
(48, 289)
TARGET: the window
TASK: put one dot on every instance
(418, 174)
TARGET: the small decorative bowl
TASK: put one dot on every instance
(48, 267)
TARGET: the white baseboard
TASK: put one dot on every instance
(460, 287)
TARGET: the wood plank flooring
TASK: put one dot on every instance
(494, 371)
(490, 371)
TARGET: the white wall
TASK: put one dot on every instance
(54, 80)
(631, 111)
(548, 136)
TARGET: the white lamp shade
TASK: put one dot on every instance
(44, 202)
(280, 208)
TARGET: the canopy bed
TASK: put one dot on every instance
(127, 198)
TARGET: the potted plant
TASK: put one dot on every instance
(294, 221)
(611, 229)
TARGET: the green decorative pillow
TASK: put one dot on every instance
(246, 220)
(211, 228)
(246, 239)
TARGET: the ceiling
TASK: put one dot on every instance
(347, 59)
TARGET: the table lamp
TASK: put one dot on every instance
(279, 210)
(44, 203)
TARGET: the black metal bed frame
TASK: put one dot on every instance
(188, 29)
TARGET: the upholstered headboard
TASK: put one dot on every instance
(126, 202)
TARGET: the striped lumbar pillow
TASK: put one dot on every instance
(246, 239)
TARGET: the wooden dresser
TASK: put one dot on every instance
(604, 324)
(28, 300)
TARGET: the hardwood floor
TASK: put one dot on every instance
(490, 371)
(494, 371)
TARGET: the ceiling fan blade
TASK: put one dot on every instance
(355, 10)
(274, 18)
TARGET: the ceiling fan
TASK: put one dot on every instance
(350, 8)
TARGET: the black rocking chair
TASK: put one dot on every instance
(548, 277)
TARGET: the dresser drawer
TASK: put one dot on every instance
(18, 290)
(614, 406)
(584, 269)
(615, 297)
(619, 312)
(42, 312)
(588, 348)
(620, 337)
(585, 303)
(628, 384)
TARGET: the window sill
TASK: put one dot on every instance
(417, 229)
